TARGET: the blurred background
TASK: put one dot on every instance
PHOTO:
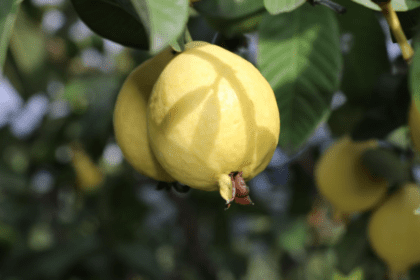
(72, 208)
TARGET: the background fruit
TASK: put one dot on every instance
(130, 124)
(88, 175)
(216, 116)
(394, 229)
(344, 181)
(414, 124)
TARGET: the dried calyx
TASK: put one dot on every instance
(240, 191)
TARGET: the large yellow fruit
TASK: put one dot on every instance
(212, 113)
(394, 229)
(88, 175)
(344, 181)
(130, 124)
(414, 124)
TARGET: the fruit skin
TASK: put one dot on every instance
(212, 113)
(342, 179)
(89, 177)
(414, 124)
(394, 229)
(130, 124)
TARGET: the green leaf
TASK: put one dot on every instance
(138, 257)
(164, 20)
(353, 248)
(275, 7)
(232, 27)
(8, 12)
(367, 56)
(415, 272)
(392, 99)
(28, 44)
(414, 75)
(299, 55)
(110, 20)
(344, 119)
(398, 5)
(303, 188)
(51, 264)
(294, 237)
(386, 164)
(232, 17)
(228, 9)
(357, 274)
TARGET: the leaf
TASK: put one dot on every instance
(303, 189)
(27, 44)
(138, 257)
(386, 164)
(389, 113)
(365, 56)
(275, 7)
(299, 55)
(164, 20)
(232, 17)
(8, 13)
(108, 19)
(228, 9)
(353, 248)
(263, 266)
(232, 27)
(414, 75)
(344, 119)
(51, 264)
(357, 274)
(398, 5)
(415, 272)
(294, 237)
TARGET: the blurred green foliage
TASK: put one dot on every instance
(60, 80)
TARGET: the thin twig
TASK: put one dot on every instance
(395, 26)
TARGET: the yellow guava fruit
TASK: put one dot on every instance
(88, 175)
(130, 123)
(342, 179)
(414, 125)
(394, 229)
(212, 114)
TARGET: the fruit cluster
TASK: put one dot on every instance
(204, 117)
(349, 186)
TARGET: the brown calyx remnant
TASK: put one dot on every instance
(240, 191)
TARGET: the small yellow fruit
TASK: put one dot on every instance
(212, 113)
(130, 123)
(394, 229)
(344, 181)
(414, 124)
(89, 177)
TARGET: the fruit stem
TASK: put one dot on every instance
(395, 26)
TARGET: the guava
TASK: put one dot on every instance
(213, 117)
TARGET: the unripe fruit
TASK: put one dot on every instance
(344, 181)
(394, 229)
